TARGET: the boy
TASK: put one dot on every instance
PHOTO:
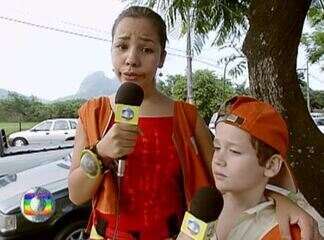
(251, 143)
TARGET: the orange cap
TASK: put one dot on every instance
(263, 122)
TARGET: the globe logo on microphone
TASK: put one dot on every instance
(193, 226)
(127, 114)
(37, 205)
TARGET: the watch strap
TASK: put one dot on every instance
(111, 161)
(95, 151)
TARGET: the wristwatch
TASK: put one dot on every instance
(90, 163)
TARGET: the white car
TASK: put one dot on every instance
(316, 114)
(320, 123)
(68, 221)
(46, 132)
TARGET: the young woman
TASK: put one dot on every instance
(167, 153)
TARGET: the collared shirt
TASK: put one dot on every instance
(253, 223)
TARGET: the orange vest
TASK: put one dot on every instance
(96, 116)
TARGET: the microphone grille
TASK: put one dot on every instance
(207, 204)
(129, 94)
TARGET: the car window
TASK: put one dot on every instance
(61, 125)
(46, 126)
(73, 124)
(320, 122)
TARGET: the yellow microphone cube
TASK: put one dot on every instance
(126, 114)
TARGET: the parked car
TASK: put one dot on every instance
(17, 159)
(68, 220)
(317, 114)
(320, 123)
(48, 131)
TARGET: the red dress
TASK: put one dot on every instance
(152, 200)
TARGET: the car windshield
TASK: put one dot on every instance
(8, 178)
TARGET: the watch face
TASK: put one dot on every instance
(89, 164)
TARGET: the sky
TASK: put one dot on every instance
(51, 64)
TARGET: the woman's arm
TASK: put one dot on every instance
(119, 141)
(81, 187)
(204, 141)
(289, 213)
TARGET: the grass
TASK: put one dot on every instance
(11, 127)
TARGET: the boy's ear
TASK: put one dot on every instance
(273, 165)
(162, 59)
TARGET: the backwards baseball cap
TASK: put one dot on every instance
(263, 122)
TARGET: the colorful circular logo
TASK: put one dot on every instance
(37, 205)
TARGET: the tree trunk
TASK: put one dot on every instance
(271, 47)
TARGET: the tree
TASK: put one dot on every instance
(316, 97)
(314, 42)
(209, 90)
(191, 15)
(272, 72)
(317, 100)
(166, 86)
(240, 89)
(65, 109)
(271, 46)
(18, 108)
(237, 59)
(15, 107)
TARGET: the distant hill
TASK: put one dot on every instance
(4, 93)
(95, 84)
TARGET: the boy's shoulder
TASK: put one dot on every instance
(260, 222)
(254, 223)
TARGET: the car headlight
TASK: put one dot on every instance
(8, 223)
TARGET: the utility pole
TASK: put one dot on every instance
(307, 91)
(189, 61)
(307, 85)
(224, 76)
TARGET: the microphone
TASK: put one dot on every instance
(199, 221)
(128, 99)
